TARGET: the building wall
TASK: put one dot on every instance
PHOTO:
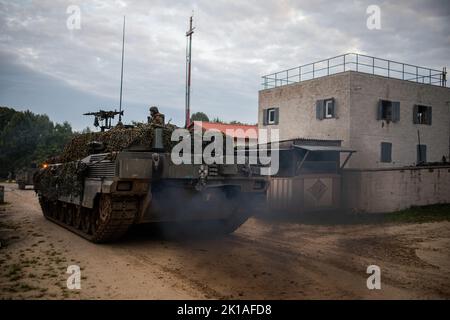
(300, 194)
(389, 190)
(297, 108)
(356, 97)
(367, 133)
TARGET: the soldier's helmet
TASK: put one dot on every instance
(154, 110)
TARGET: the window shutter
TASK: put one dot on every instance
(277, 115)
(333, 108)
(429, 115)
(415, 114)
(265, 115)
(421, 153)
(395, 111)
(380, 110)
(320, 110)
(386, 152)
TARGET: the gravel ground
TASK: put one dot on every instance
(262, 260)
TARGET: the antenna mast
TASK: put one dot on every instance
(121, 74)
(188, 73)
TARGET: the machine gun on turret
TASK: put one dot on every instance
(103, 118)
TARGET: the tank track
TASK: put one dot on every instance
(109, 220)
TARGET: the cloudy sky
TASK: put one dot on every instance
(48, 68)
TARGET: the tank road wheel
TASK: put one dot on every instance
(103, 214)
(86, 220)
(45, 206)
(53, 209)
(77, 217)
(68, 214)
(105, 209)
(59, 213)
(113, 217)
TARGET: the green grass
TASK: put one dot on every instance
(423, 214)
(431, 213)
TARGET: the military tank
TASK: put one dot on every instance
(105, 182)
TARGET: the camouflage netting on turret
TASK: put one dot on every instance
(66, 176)
(116, 139)
(121, 138)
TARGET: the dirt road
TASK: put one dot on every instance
(262, 260)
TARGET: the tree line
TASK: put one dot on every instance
(27, 138)
(201, 116)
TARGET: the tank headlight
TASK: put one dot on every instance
(124, 186)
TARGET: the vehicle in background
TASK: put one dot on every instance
(24, 176)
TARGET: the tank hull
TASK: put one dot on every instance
(102, 196)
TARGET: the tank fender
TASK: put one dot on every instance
(92, 188)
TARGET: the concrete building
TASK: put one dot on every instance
(392, 114)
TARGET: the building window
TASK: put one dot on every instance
(386, 152)
(421, 153)
(329, 108)
(422, 114)
(325, 109)
(388, 110)
(271, 116)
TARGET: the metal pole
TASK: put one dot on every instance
(357, 62)
(188, 73)
(121, 73)
(444, 77)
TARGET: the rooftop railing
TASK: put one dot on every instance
(360, 63)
